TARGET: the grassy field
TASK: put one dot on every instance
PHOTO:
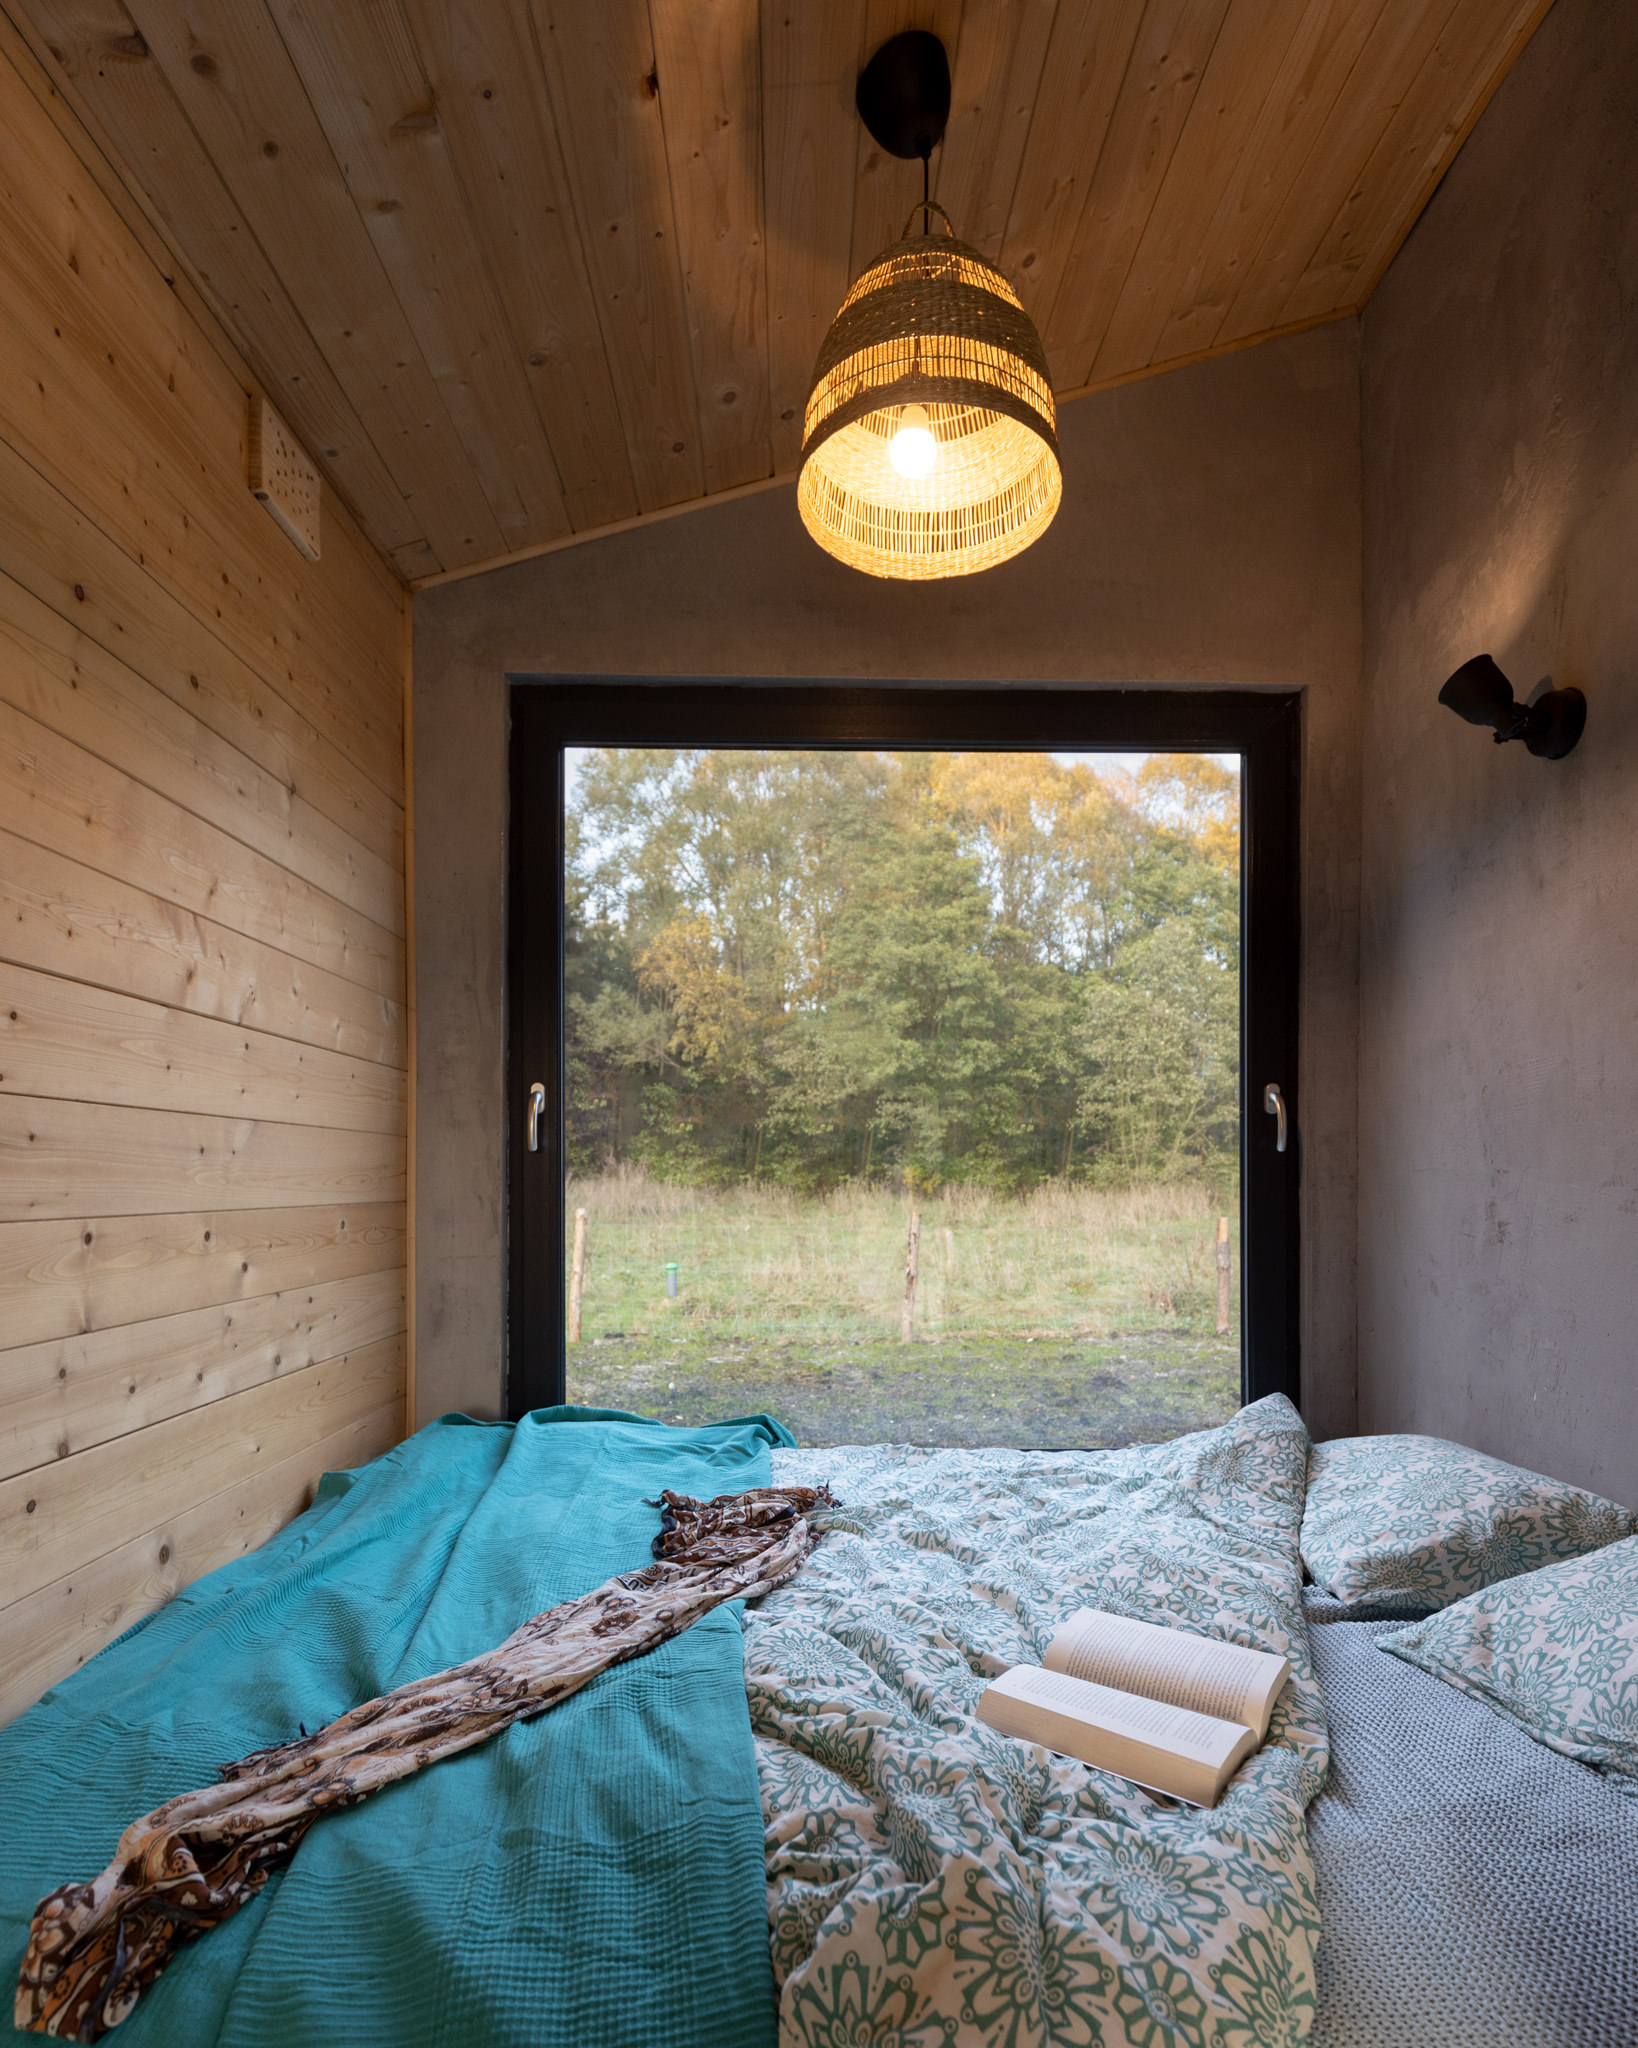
(1077, 1316)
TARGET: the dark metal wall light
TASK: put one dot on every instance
(1481, 694)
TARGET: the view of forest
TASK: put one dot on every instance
(817, 1000)
(817, 969)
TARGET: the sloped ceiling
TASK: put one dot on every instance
(517, 269)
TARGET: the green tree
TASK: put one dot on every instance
(816, 966)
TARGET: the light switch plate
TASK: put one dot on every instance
(283, 478)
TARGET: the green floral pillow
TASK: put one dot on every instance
(1556, 1652)
(1406, 1524)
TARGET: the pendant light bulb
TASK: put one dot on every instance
(913, 451)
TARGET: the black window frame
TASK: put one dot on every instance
(549, 713)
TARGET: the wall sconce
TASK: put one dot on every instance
(1481, 694)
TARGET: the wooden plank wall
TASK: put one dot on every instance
(203, 1070)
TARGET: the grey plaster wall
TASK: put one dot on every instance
(1209, 534)
(1499, 1083)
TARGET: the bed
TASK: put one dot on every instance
(1474, 1888)
(811, 1771)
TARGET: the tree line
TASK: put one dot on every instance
(811, 968)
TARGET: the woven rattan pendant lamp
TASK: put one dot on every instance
(930, 441)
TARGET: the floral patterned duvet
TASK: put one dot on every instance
(932, 1882)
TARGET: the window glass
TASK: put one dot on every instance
(901, 1091)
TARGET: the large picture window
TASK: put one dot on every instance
(880, 1056)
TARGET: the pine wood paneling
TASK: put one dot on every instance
(56, 554)
(529, 240)
(1082, 82)
(490, 95)
(227, 67)
(48, 671)
(53, 1631)
(1251, 85)
(605, 96)
(95, 1272)
(62, 797)
(808, 56)
(137, 118)
(78, 1507)
(81, 1043)
(66, 1395)
(64, 918)
(1395, 49)
(57, 1159)
(1320, 54)
(380, 117)
(708, 58)
(203, 1059)
(1159, 87)
(114, 395)
(995, 81)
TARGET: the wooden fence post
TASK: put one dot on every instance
(1222, 1276)
(577, 1275)
(907, 1321)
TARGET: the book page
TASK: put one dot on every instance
(1166, 1727)
(1197, 1673)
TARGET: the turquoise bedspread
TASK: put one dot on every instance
(587, 1880)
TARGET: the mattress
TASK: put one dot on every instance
(1475, 1889)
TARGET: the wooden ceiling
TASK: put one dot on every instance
(519, 269)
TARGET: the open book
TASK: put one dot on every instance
(1173, 1711)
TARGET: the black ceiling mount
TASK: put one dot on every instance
(904, 94)
(1481, 694)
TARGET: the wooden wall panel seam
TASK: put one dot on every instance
(360, 478)
(59, 1158)
(233, 77)
(67, 564)
(78, 1043)
(73, 1275)
(160, 462)
(71, 1393)
(58, 1518)
(49, 1633)
(97, 703)
(62, 917)
(69, 801)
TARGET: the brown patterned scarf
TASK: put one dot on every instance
(93, 1948)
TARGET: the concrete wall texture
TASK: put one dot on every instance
(1209, 535)
(1499, 967)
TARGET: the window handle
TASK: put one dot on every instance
(1274, 1105)
(537, 1106)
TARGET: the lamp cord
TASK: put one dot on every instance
(926, 194)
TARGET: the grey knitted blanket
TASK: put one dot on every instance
(1476, 1891)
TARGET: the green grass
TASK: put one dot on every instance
(1075, 1316)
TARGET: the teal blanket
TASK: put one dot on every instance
(592, 1878)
